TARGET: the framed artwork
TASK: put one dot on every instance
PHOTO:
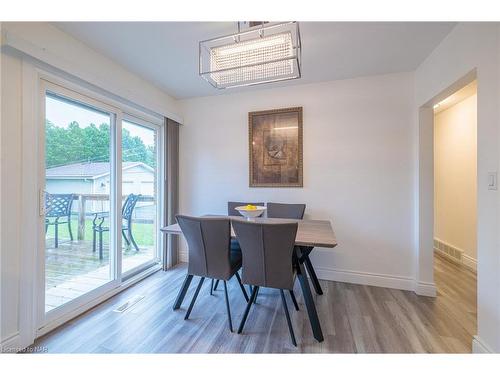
(275, 147)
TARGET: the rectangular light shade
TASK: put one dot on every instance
(263, 54)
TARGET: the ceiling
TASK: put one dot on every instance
(166, 53)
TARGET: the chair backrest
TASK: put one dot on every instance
(231, 211)
(129, 205)
(267, 253)
(285, 210)
(208, 240)
(58, 205)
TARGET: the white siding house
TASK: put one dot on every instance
(94, 178)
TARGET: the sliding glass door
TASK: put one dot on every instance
(79, 225)
(140, 160)
(100, 197)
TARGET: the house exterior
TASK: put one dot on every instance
(94, 178)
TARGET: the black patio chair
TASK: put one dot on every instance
(59, 209)
(127, 211)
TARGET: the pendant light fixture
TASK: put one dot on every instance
(265, 53)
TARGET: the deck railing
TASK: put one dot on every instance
(83, 199)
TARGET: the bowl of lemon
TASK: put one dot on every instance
(250, 211)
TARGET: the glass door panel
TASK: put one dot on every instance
(139, 195)
(78, 185)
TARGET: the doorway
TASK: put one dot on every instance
(455, 207)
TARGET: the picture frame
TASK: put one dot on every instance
(275, 143)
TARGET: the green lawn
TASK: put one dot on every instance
(143, 233)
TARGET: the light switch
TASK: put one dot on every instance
(492, 181)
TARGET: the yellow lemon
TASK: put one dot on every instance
(251, 207)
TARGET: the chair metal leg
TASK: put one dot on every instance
(56, 235)
(242, 287)
(227, 307)
(132, 238)
(69, 229)
(216, 285)
(256, 294)
(93, 240)
(287, 314)
(194, 298)
(100, 245)
(247, 309)
(182, 292)
(211, 286)
(294, 300)
(124, 235)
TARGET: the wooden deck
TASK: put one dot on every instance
(73, 269)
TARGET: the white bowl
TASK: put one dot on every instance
(249, 214)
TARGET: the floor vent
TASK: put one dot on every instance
(448, 250)
(127, 305)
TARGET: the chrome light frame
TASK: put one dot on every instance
(253, 33)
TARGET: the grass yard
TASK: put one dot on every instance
(143, 232)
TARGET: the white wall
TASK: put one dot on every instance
(358, 168)
(455, 175)
(475, 46)
(10, 196)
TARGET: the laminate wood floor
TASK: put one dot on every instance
(354, 318)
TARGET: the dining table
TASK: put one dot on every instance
(310, 234)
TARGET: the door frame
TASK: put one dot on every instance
(425, 187)
(33, 72)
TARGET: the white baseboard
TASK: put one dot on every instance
(469, 262)
(425, 289)
(11, 344)
(366, 278)
(479, 346)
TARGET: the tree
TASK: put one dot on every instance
(74, 144)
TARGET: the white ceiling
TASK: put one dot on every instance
(166, 53)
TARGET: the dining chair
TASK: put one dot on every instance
(235, 246)
(58, 209)
(285, 210)
(295, 211)
(99, 227)
(210, 255)
(267, 261)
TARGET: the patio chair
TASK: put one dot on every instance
(58, 209)
(127, 211)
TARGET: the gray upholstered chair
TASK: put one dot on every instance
(295, 211)
(210, 255)
(267, 261)
(231, 211)
(286, 210)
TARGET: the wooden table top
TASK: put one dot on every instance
(312, 233)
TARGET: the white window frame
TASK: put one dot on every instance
(159, 187)
(32, 320)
